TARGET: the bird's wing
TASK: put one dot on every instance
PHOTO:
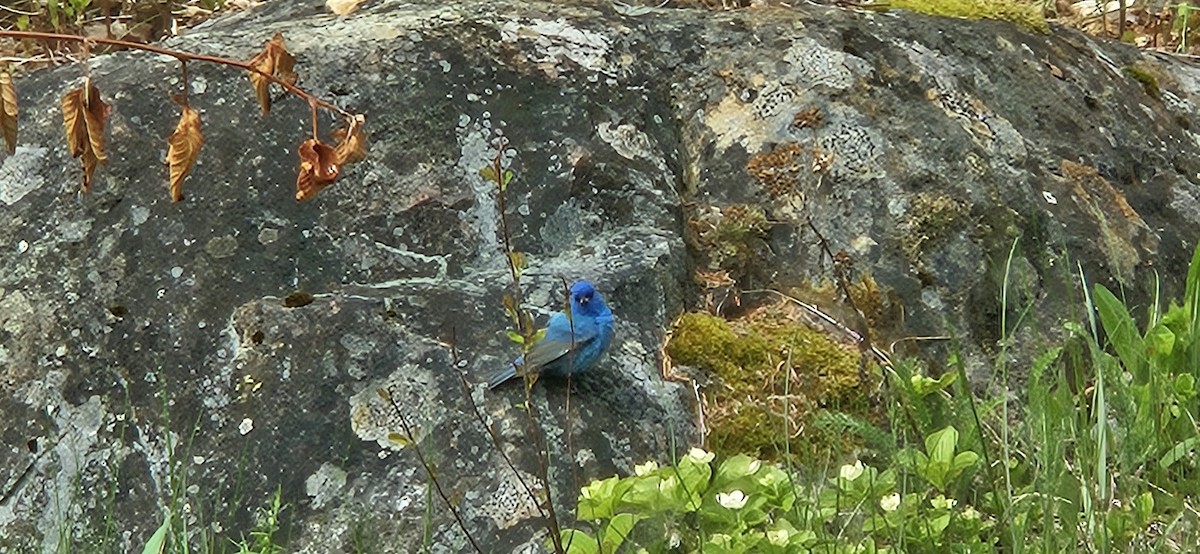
(558, 341)
(544, 352)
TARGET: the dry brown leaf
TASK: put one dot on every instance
(8, 111)
(318, 168)
(343, 7)
(85, 116)
(72, 104)
(185, 145)
(274, 60)
(351, 145)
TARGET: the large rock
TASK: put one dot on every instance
(150, 366)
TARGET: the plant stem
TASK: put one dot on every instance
(182, 56)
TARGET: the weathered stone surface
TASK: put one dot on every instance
(149, 364)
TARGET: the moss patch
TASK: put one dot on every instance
(931, 218)
(1147, 79)
(1025, 16)
(771, 375)
(732, 239)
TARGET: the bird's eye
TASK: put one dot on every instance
(584, 299)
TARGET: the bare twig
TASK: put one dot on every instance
(492, 435)
(186, 56)
(412, 439)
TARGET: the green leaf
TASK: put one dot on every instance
(1178, 451)
(1185, 385)
(925, 386)
(158, 541)
(938, 525)
(489, 173)
(515, 337)
(940, 445)
(579, 542)
(1160, 342)
(508, 177)
(598, 500)
(1122, 332)
(737, 467)
(1191, 298)
(1143, 507)
(618, 529)
(398, 439)
(963, 461)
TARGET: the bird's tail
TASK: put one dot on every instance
(502, 376)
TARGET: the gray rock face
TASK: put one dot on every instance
(149, 365)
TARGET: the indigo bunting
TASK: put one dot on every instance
(571, 345)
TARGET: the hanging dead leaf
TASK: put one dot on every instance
(8, 111)
(85, 116)
(319, 168)
(185, 148)
(276, 61)
(351, 144)
(343, 7)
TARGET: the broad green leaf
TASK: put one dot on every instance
(1122, 332)
(158, 541)
(963, 461)
(515, 337)
(1160, 343)
(598, 500)
(737, 467)
(938, 525)
(1178, 452)
(579, 542)
(618, 529)
(941, 444)
(1185, 385)
(1191, 299)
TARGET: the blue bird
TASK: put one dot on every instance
(571, 345)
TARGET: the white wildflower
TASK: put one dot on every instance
(890, 502)
(734, 500)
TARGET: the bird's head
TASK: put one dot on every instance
(585, 299)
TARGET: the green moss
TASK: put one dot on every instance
(1146, 78)
(1026, 16)
(764, 366)
(931, 218)
(733, 239)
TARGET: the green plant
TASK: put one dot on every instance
(747, 505)
(262, 537)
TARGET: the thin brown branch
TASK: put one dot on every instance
(412, 439)
(483, 423)
(187, 84)
(184, 56)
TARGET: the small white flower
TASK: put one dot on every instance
(668, 484)
(778, 537)
(646, 468)
(851, 472)
(754, 465)
(734, 500)
(942, 502)
(699, 455)
(970, 513)
(246, 426)
(890, 502)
